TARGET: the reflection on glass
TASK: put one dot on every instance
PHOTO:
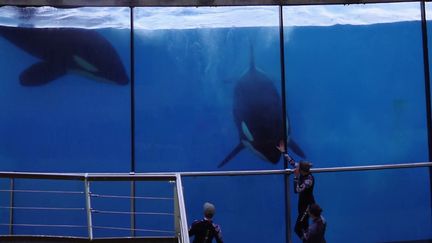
(65, 100)
(214, 76)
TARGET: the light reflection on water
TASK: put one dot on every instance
(152, 18)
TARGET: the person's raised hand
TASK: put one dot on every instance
(281, 146)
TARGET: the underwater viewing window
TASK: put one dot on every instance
(207, 91)
(361, 101)
(357, 101)
(209, 53)
(65, 92)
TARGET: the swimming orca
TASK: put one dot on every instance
(257, 111)
(63, 50)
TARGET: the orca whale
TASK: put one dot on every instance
(64, 50)
(257, 111)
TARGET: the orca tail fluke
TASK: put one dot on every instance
(231, 155)
(296, 149)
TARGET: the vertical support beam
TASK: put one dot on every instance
(284, 123)
(133, 209)
(184, 234)
(11, 206)
(132, 93)
(88, 208)
(132, 87)
(427, 88)
(176, 213)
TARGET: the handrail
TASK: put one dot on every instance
(315, 170)
(172, 175)
(42, 175)
(131, 176)
(372, 167)
(180, 210)
(88, 208)
(89, 176)
(175, 3)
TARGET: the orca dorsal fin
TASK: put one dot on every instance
(231, 155)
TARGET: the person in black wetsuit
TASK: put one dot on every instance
(303, 185)
(315, 232)
(205, 230)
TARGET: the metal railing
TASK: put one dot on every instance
(179, 214)
(180, 218)
(314, 170)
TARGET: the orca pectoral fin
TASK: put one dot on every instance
(41, 73)
(231, 155)
(295, 148)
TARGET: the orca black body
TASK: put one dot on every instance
(257, 111)
(62, 50)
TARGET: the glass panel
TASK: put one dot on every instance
(65, 94)
(361, 101)
(248, 208)
(111, 208)
(191, 62)
(155, 208)
(112, 212)
(49, 207)
(5, 186)
(207, 78)
(373, 206)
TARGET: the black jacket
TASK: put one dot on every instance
(316, 231)
(304, 185)
(204, 231)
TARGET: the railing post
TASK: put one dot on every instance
(176, 213)
(184, 234)
(88, 207)
(11, 206)
(133, 209)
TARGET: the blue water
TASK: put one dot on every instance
(361, 103)
(355, 96)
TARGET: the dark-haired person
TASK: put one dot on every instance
(303, 185)
(316, 231)
(205, 230)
